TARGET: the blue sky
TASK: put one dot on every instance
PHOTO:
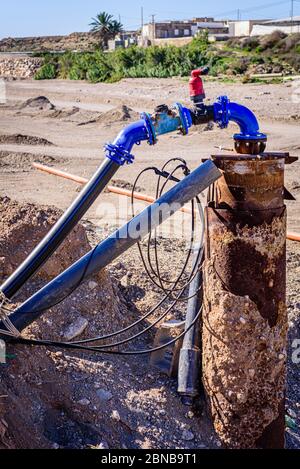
(38, 17)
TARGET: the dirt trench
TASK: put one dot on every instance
(52, 398)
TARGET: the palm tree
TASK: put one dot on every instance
(115, 28)
(107, 28)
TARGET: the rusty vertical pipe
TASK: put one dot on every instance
(245, 318)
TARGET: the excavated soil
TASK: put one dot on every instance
(14, 162)
(75, 399)
(113, 116)
(40, 103)
(18, 139)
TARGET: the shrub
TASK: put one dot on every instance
(235, 57)
(46, 72)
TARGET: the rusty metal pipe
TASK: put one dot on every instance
(245, 319)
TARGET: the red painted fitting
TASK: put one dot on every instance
(196, 84)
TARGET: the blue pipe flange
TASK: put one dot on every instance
(150, 128)
(243, 137)
(118, 154)
(185, 118)
(222, 111)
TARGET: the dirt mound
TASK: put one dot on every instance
(41, 103)
(74, 114)
(44, 392)
(42, 106)
(66, 399)
(117, 114)
(21, 229)
(11, 162)
(19, 139)
(64, 113)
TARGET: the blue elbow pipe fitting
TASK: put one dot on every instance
(120, 150)
(226, 111)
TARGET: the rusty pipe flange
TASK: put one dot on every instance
(250, 147)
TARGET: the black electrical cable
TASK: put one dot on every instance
(121, 331)
(157, 272)
(168, 293)
(67, 345)
(76, 345)
(139, 334)
(159, 191)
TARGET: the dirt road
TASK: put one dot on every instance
(86, 116)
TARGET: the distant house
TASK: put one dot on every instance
(242, 28)
(286, 25)
(182, 29)
(262, 27)
(123, 40)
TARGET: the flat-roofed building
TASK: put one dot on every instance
(183, 29)
(285, 25)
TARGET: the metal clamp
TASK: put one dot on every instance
(185, 117)
(150, 128)
(118, 154)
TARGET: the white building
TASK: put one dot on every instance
(243, 27)
(286, 25)
(183, 28)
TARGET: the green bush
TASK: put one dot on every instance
(46, 72)
(235, 57)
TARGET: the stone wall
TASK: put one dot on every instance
(173, 41)
(19, 66)
(74, 42)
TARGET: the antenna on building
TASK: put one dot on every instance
(292, 14)
(153, 27)
(239, 14)
(142, 17)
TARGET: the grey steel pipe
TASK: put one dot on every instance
(190, 353)
(61, 229)
(116, 244)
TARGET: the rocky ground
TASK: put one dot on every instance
(77, 400)
(74, 41)
(82, 400)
